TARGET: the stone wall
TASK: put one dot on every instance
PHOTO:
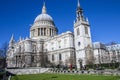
(28, 71)
(39, 70)
(88, 72)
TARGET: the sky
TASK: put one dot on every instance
(16, 16)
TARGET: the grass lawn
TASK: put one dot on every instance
(64, 77)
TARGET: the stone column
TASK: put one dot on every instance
(43, 31)
(46, 31)
(53, 32)
(50, 32)
(33, 32)
(40, 32)
(36, 32)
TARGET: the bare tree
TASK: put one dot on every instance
(3, 50)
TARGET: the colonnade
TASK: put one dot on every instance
(43, 32)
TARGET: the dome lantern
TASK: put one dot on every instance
(44, 9)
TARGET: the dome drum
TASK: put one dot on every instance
(43, 31)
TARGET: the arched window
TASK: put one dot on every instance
(86, 30)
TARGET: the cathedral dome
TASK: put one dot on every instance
(43, 17)
(43, 26)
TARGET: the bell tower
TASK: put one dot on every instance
(82, 37)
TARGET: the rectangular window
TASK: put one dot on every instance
(65, 42)
(52, 48)
(86, 30)
(59, 44)
(32, 58)
(60, 57)
(52, 57)
(78, 31)
(78, 43)
(52, 45)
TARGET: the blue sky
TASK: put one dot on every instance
(17, 15)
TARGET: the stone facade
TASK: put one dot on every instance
(45, 47)
(106, 53)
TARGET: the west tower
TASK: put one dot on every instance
(82, 37)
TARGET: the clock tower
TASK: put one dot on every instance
(82, 37)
